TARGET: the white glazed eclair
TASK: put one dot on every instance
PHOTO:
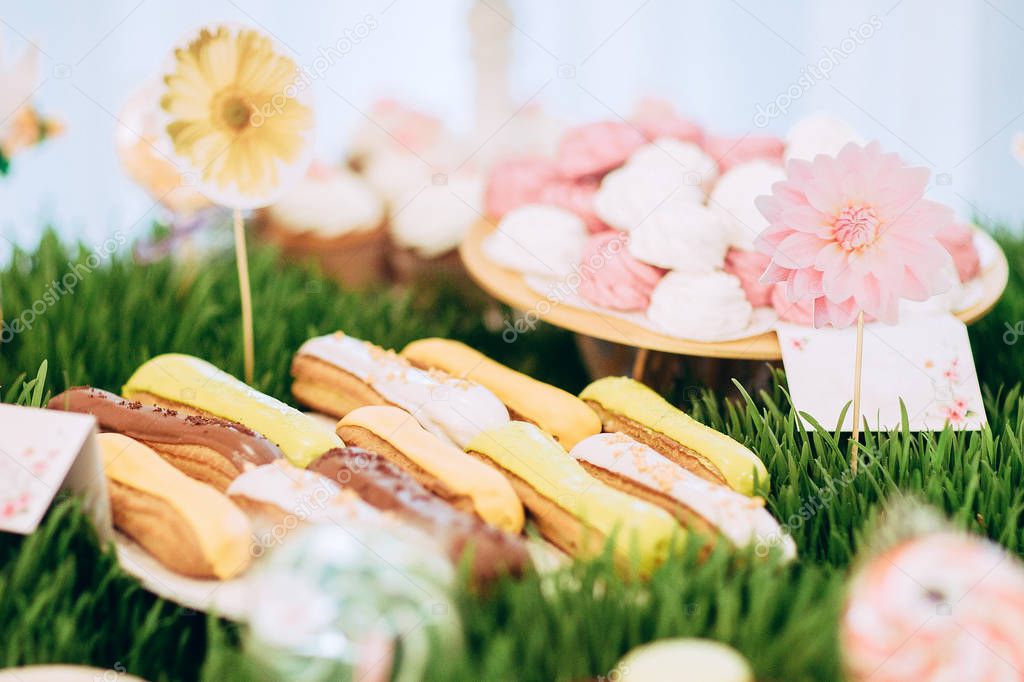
(641, 471)
(336, 374)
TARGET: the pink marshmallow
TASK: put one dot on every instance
(517, 182)
(748, 266)
(610, 277)
(576, 196)
(958, 239)
(733, 151)
(596, 148)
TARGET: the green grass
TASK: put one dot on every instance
(63, 598)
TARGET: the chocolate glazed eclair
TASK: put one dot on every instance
(208, 449)
(387, 487)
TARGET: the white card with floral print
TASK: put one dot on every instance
(43, 452)
(926, 360)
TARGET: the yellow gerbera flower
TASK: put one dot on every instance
(234, 115)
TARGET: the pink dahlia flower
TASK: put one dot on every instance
(854, 233)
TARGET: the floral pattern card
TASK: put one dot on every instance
(925, 360)
(43, 452)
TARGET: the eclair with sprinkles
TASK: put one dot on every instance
(555, 411)
(460, 479)
(629, 407)
(209, 449)
(279, 496)
(192, 386)
(336, 374)
(700, 505)
(188, 526)
(390, 489)
(573, 510)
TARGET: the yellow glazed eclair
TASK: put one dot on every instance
(187, 525)
(188, 384)
(629, 407)
(575, 511)
(558, 412)
(463, 481)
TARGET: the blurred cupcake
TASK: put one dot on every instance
(336, 218)
(612, 278)
(427, 225)
(392, 126)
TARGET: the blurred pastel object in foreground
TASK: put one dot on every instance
(668, 660)
(350, 603)
(22, 126)
(933, 605)
(612, 278)
(958, 239)
(146, 155)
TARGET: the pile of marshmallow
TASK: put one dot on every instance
(657, 216)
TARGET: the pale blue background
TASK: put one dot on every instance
(938, 82)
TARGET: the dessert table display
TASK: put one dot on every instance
(577, 315)
(234, 468)
(795, 578)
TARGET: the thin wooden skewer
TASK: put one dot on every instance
(640, 363)
(857, 364)
(242, 260)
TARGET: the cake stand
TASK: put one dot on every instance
(511, 288)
